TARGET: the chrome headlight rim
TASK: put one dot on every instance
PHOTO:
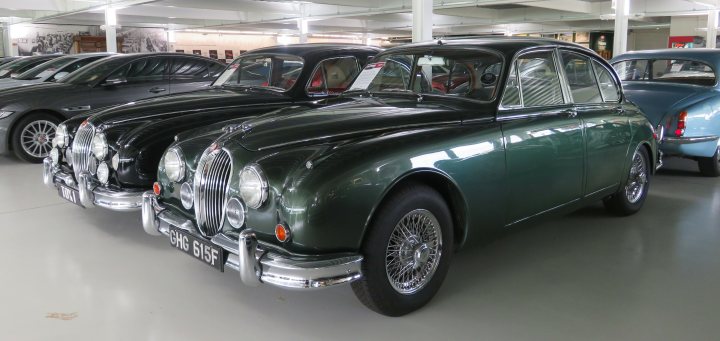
(54, 156)
(235, 212)
(177, 174)
(100, 152)
(254, 170)
(115, 161)
(102, 173)
(187, 195)
(62, 138)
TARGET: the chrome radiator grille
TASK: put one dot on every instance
(82, 157)
(211, 185)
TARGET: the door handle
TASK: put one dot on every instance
(157, 90)
(570, 113)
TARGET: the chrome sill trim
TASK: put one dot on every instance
(257, 263)
(689, 139)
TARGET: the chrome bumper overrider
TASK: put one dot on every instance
(256, 262)
(689, 139)
(91, 194)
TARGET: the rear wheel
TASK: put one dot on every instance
(407, 252)
(33, 135)
(710, 166)
(631, 196)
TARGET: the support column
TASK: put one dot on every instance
(622, 10)
(422, 12)
(303, 24)
(110, 29)
(712, 26)
(7, 41)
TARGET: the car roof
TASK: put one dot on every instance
(302, 50)
(710, 56)
(131, 56)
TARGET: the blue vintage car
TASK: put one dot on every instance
(678, 90)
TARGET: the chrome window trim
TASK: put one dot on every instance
(518, 55)
(618, 87)
(318, 65)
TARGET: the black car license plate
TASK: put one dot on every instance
(197, 248)
(69, 194)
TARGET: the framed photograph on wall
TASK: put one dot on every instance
(582, 37)
(197, 52)
(229, 54)
(213, 54)
(180, 51)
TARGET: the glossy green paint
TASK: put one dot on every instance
(329, 169)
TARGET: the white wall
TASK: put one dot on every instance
(649, 39)
(687, 25)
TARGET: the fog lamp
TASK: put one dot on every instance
(235, 212)
(103, 173)
(55, 156)
(186, 195)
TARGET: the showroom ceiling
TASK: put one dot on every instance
(373, 17)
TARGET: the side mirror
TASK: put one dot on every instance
(60, 75)
(114, 81)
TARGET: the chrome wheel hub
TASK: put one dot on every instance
(637, 179)
(36, 138)
(413, 252)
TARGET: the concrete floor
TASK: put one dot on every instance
(73, 274)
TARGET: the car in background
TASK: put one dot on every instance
(29, 115)
(5, 60)
(433, 147)
(108, 158)
(20, 65)
(679, 92)
(52, 70)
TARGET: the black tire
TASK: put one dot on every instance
(620, 203)
(710, 166)
(17, 132)
(374, 289)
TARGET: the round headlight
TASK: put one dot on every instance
(103, 173)
(99, 146)
(186, 196)
(174, 165)
(68, 156)
(55, 156)
(115, 161)
(253, 186)
(61, 136)
(235, 213)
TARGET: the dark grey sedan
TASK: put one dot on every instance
(29, 115)
(20, 65)
(52, 70)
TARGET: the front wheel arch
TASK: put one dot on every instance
(13, 126)
(440, 182)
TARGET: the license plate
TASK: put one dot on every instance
(197, 248)
(69, 194)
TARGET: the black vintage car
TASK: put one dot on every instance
(30, 115)
(110, 157)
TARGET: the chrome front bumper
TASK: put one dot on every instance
(256, 261)
(92, 194)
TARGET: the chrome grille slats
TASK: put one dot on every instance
(211, 184)
(82, 148)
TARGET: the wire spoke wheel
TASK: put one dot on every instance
(413, 251)
(638, 178)
(36, 138)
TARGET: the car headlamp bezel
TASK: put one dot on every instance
(174, 171)
(253, 187)
(99, 146)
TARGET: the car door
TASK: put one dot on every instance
(140, 79)
(543, 138)
(607, 132)
(190, 73)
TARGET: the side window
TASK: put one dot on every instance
(581, 78)
(539, 81)
(512, 90)
(193, 69)
(610, 90)
(632, 70)
(393, 74)
(143, 70)
(333, 76)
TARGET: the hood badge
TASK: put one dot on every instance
(215, 146)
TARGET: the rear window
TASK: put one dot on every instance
(667, 71)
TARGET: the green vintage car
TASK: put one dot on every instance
(434, 146)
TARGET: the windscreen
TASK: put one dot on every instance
(46, 69)
(667, 71)
(275, 72)
(451, 72)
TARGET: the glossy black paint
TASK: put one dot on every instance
(141, 131)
